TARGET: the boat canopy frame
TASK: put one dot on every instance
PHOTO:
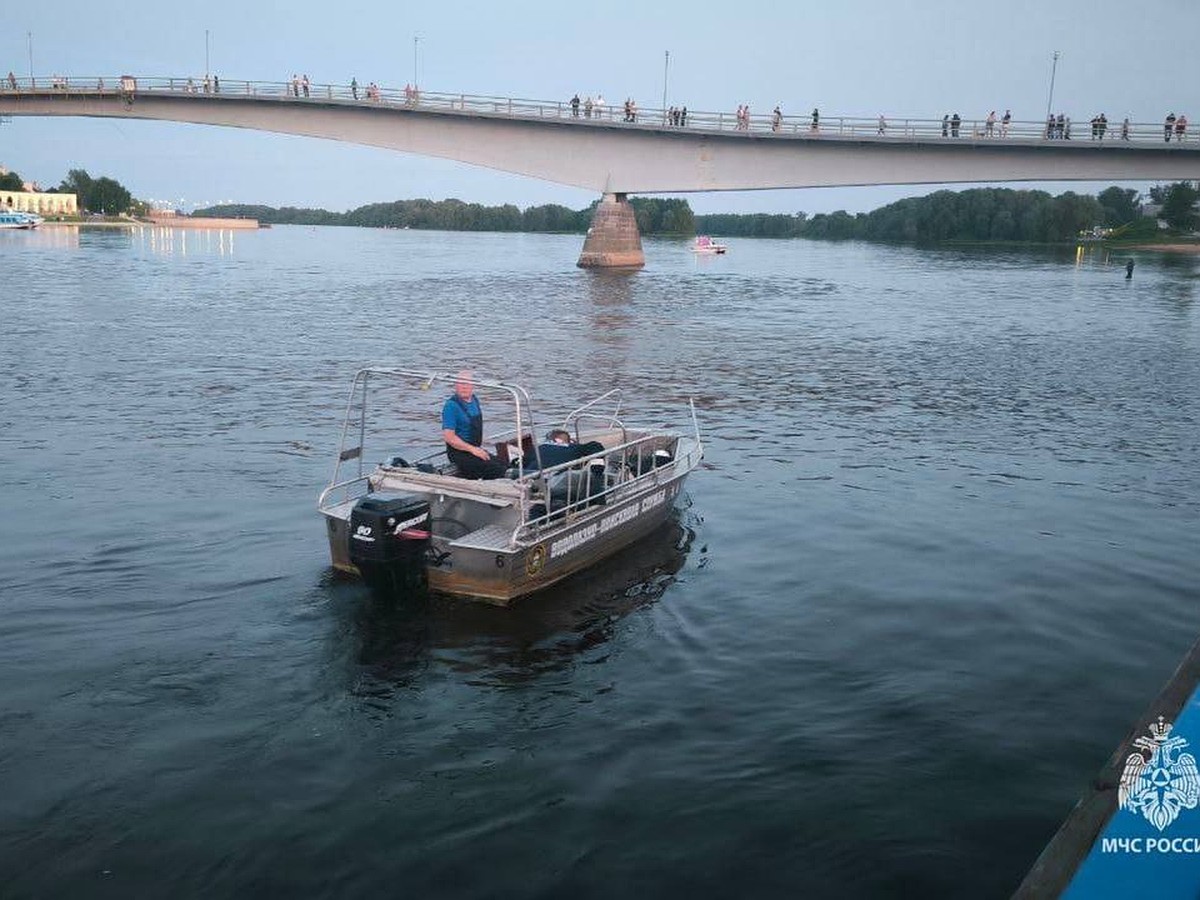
(522, 406)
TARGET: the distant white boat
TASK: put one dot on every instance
(11, 219)
(705, 244)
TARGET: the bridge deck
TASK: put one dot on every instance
(608, 148)
(607, 114)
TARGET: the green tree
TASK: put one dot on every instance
(77, 182)
(1120, 205)
(11, 181)
(1178, 203)
(109, 197)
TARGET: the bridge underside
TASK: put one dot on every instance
(617, 157)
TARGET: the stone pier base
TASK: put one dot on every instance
(613, 241)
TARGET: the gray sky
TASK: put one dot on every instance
(921, 58)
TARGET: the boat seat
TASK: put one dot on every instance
(503, 455)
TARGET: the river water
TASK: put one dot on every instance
(941, 554)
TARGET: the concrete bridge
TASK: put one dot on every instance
(617, 151)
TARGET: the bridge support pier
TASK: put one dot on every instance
(613, 241)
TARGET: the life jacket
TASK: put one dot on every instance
(476, 421)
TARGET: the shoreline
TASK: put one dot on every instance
(182, 222)
(1162, 247)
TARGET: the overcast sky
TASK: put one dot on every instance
(921, 58)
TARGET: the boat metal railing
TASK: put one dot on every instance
(606, 115)
(518, 396)
(628, 469)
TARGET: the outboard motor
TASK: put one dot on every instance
(389, 537)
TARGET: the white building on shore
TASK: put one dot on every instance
(33, 199)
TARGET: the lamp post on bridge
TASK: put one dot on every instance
(666, 68)
(29, 37)
(416, 40)
(1050, 100)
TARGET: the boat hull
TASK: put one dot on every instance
(503, 574)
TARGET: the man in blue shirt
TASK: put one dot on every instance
(462, 429)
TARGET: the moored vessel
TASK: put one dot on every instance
(23, 220)
(401, 524)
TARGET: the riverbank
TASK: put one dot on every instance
(219, 224)
(1165, 247)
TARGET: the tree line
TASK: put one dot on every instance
(654, 216)
(977, 215)
(981, 214)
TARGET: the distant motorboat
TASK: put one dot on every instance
(11, 219)
(705, 244)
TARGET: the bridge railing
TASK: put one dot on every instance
(605, 114)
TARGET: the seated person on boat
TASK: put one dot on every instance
(569, 486)
(462, 429)
(558, 449)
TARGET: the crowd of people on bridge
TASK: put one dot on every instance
(1057, 127)
(597, 107)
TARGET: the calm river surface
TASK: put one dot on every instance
(941, 555)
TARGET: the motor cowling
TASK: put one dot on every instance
(389, 540)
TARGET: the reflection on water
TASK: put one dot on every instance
(509, 646)
(164, 240)
(57, 237)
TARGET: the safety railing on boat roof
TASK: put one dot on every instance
(612, 418)
(424, 380)
(625, 470)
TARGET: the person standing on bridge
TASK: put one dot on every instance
(816, 119)
(1004, 123)
(1125, 129)
(575, 107)
(955, 122)
(216, 85)
(12, 80)
(295, 85)
(990, 123)
(304, 84)
(882, 124)
(601, 110)
(1180, 127)
(1168, 127)
(354, 88)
